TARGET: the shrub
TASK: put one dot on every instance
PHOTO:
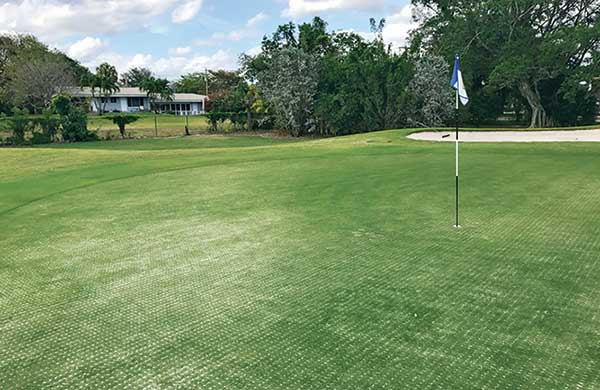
(122, 121)
(49, 125)
(238, 119)
(19, 125)
(216, 118)
(61, 104)
(74, 127)
(40, 138)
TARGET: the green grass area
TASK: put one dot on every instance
(172, 125)
(241, 263)
(168, 125)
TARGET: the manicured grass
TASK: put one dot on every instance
(327, 264)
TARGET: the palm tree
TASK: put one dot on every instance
(154, 89)
(106, 81)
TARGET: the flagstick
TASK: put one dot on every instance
(457, 224)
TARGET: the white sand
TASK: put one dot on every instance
(511, 136)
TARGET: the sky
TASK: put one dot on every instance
(175, 37)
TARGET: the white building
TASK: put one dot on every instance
(135, 100)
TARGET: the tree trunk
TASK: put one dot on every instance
(539, 118)
(249, 120)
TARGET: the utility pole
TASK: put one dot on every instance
(206, 79)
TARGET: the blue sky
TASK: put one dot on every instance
(173, 37)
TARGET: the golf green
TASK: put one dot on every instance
(256, 263)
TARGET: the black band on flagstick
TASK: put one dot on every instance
(457, 225)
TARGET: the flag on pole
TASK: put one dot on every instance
(458, 84)
(461, 95)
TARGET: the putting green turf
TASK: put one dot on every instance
(249, 263)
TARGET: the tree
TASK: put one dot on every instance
(36, 76)
(61, 104)
(360, 85)
(432, 92)
(157, 88)
(135, 77)
(10, 47)
(289, 84)
(122, 121)
(217, 83)
(30, 73)
(192, 83)
(106, 81)
(74, 126)
(102, 84)
(532, 47)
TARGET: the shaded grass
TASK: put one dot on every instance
(216, 263)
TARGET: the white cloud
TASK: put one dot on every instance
(236, 35)
(186, 11)
(180, 51)
(54, 19)
(398, 26)
(396, 30)
(85, 49)
(173, 67)
(257, 19)
(254, 51)
(297, 8)
(170, 67)
(248, 32)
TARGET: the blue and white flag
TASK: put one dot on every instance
(458, 84)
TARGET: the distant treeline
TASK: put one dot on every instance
(537, 60)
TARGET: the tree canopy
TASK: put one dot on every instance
(31, 73)
(134, 77)
(354, 85)
(537, 50)
(157, 88)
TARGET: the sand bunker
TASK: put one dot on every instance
(511, 136)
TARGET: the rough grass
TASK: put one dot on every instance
(168, 126)
(326, 264)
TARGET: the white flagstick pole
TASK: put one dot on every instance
(457, 224)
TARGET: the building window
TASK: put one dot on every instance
(113, 99)
(134, 102)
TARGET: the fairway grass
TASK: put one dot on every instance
(256, 263)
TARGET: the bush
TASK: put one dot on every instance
(49, 125)
(74, 127)
(238, 119)
(61, 104)
(264, 122)
(19, 125)
(122, 121)
(216, 118)
(40, 138)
